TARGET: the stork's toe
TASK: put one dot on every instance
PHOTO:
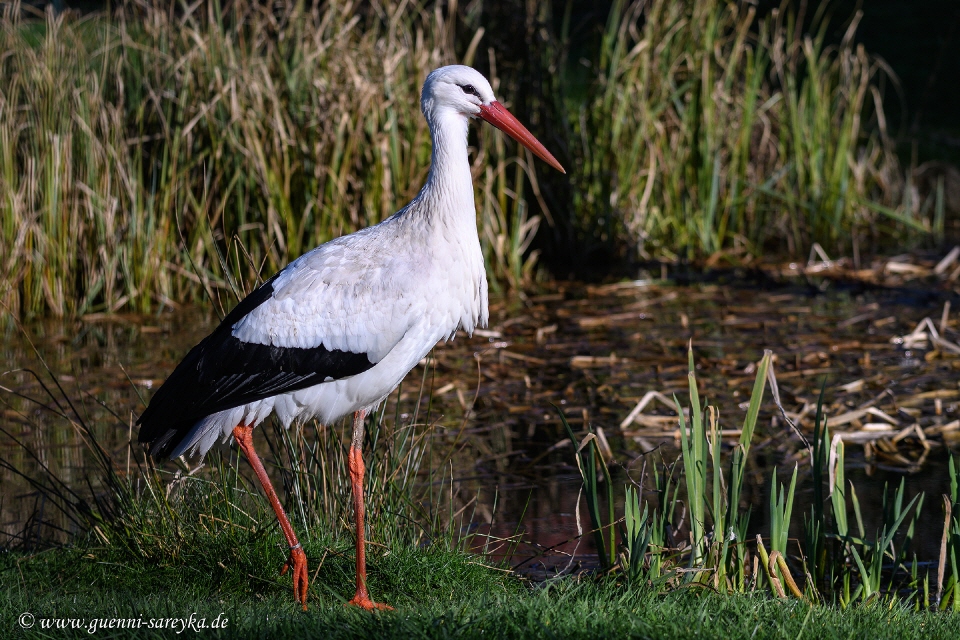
(301, 580)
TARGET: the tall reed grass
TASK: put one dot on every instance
(141, 151)
(711, 130)
(166, 153)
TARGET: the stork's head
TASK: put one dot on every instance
(462, 90)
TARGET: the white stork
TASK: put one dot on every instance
(336, 331)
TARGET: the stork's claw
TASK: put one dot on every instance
(298, 562)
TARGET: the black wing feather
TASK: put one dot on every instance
(223, 372)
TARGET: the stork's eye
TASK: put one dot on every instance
(469, 88)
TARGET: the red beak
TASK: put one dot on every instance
(497, 115)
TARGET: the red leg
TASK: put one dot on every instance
(298, 559)
(355, 464)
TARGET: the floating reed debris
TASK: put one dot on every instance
(885, 271)
(894, 440)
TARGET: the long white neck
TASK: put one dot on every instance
(447, 206)
(448, 191)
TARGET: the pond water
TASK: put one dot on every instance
(592, 352)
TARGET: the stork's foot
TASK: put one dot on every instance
(364, 601)
(298, 563)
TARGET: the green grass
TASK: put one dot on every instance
(437, 594)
